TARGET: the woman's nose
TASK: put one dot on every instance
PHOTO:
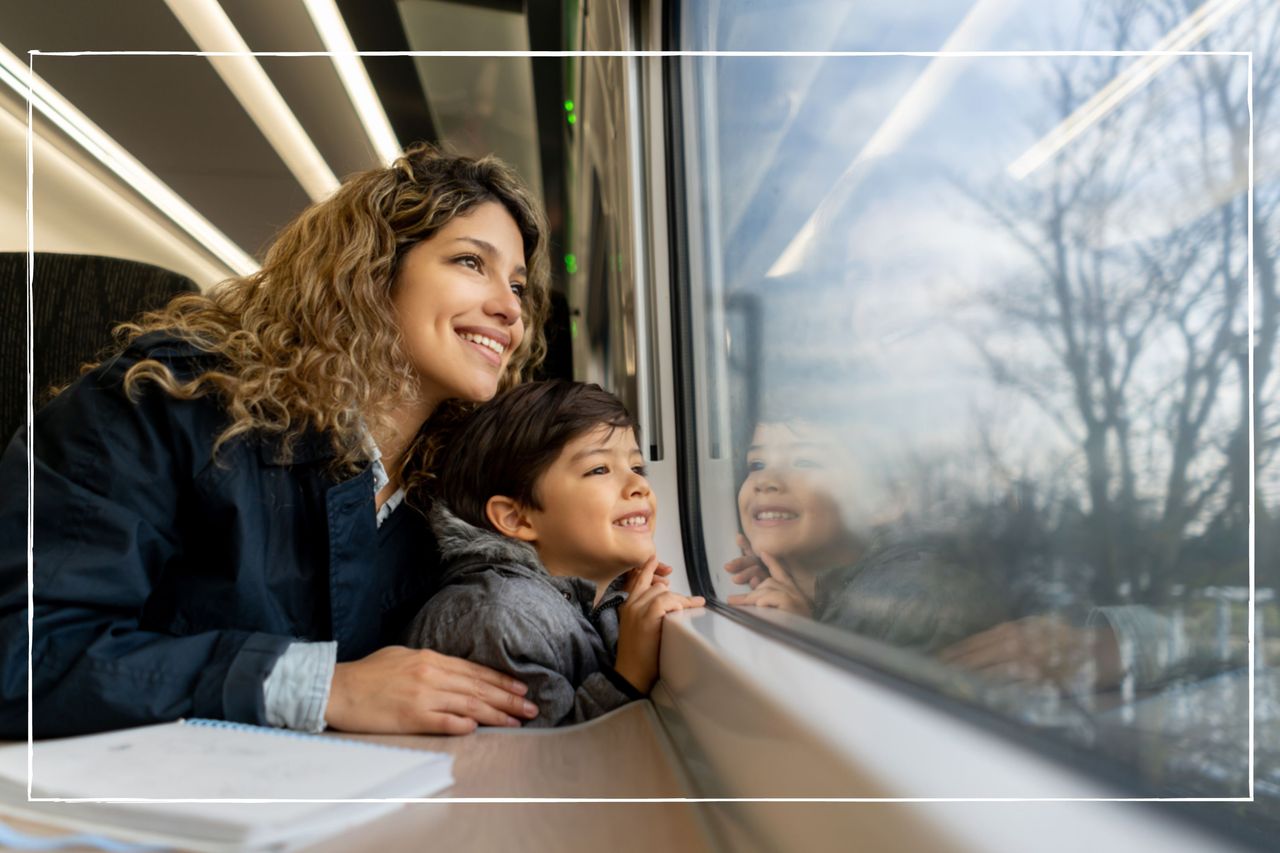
(506, 306)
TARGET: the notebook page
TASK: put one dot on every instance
(178, 760)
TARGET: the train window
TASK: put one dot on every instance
(973, 366)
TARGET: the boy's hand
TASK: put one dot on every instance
(649, 598)
(397, 690)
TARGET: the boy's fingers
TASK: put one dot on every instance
(647, 572)
(663, 570)
(645, 596)
(633, 577)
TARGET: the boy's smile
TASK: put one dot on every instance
(598, 511)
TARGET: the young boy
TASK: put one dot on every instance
(545, 525)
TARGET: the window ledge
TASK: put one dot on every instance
(753, 717)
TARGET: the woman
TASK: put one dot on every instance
(218, 528)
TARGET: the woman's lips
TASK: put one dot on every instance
(490, 343)
(486, 352)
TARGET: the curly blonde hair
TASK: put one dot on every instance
(310, 343)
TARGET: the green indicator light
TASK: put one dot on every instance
(571, 264)
(573, 329)
(573, 119)
(618, 261)
(568, 106)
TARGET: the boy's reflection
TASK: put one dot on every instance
(819, 543)
(791, 516)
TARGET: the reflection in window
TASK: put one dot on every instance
(986, 332)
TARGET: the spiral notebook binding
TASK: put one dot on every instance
(227, 725)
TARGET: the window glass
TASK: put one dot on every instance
(971, 343)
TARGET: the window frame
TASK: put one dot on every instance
(1216, 816)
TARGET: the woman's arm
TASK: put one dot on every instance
(143, 587)
(106, 497)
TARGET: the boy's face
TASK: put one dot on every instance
(787, 502)
(598, 513)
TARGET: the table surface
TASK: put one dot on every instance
(624, 754)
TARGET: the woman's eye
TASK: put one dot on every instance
(599, 469)
(641, 470)
(755, 465)
(519, 290)
(471, 262)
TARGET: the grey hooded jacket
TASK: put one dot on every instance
(498, 606)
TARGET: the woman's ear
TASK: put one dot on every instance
(510, 519)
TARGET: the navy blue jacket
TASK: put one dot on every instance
(168, 582)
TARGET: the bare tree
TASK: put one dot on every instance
(1135, 345)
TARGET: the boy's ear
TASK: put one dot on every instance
(510, 518)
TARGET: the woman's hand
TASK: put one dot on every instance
(649, 599)
(1037, 649)
(778, 590)
(746, 570)
(398, 690)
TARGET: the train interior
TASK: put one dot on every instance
(964, 312)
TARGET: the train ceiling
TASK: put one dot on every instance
(181, 119)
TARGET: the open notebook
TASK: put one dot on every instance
(206, 759)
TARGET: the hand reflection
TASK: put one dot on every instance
(1037, 649)
(746, 570)
(778, 589)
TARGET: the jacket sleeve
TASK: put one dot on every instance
(110, 474)
(1157, 645)
(533, 650)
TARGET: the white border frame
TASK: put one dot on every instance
(655, 54)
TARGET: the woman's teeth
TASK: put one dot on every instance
(775, 516)
(483, 341)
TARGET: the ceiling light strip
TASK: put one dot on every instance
(355, 78)
(211, 29)
(45, 100)
(1192, 29)
(160, 244)
(907, 115)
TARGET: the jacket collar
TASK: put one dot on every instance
(308, 447)
(463, 544)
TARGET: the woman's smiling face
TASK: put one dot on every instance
(458, 299)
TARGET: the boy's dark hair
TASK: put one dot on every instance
(505, 445)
